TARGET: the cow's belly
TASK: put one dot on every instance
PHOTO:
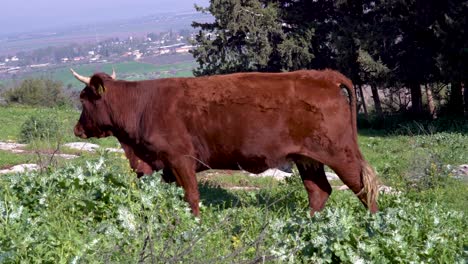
(252, 167)
(236, 161)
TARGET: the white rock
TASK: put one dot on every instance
(66, 156)
(115, 150)
(382, 189)
(246, 188)
(11, 146)
(82, 146)
(343, 187)
(331, 176)
(461, 171)
(277, 174)
(20, 168)
(388, 190)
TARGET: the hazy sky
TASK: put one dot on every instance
(30, 15)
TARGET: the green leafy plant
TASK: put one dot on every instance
(39, 128)
(99, 212)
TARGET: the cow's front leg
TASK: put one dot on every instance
(184, 172)
(138, 166)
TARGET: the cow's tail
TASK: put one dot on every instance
(370, 190)
(342, 81)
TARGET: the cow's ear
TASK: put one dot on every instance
(97, 84)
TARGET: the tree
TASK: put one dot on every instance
(248, 35)
(37, 92)
(374, 73)
(453, 57)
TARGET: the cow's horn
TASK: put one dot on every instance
(85, 80)
(113, 76)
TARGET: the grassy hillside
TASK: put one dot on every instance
(93, 209)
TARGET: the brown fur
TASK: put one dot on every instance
(252, 121)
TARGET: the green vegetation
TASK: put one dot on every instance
(8, 159)
(235, 179)
(39, 128)
(12, 119)
(99, 212)
(37, 92)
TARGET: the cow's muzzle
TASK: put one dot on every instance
(79, 131)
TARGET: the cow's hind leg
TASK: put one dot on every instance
(315, 182)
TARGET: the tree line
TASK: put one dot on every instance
(413, 46)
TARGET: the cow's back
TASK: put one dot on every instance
(256, 119)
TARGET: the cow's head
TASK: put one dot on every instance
(95, 119)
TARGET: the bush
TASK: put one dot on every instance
(406, 232)
(37, 92)
(39, 128)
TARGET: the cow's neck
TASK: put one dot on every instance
(124, 105)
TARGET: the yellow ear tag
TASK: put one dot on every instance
(101, 89)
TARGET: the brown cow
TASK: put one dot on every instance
(252, 121)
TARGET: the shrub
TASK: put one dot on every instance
(405, 232)
(39, 128)
(37, 92)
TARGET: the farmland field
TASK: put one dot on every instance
(93, 209)
(131, 70)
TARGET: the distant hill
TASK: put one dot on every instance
(12, 44)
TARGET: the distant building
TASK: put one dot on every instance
(13, 70)
(137, 54)
(184, 49)
(164, 51)
(42, 65)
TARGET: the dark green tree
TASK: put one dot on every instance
(249, 35)
(451, 29)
